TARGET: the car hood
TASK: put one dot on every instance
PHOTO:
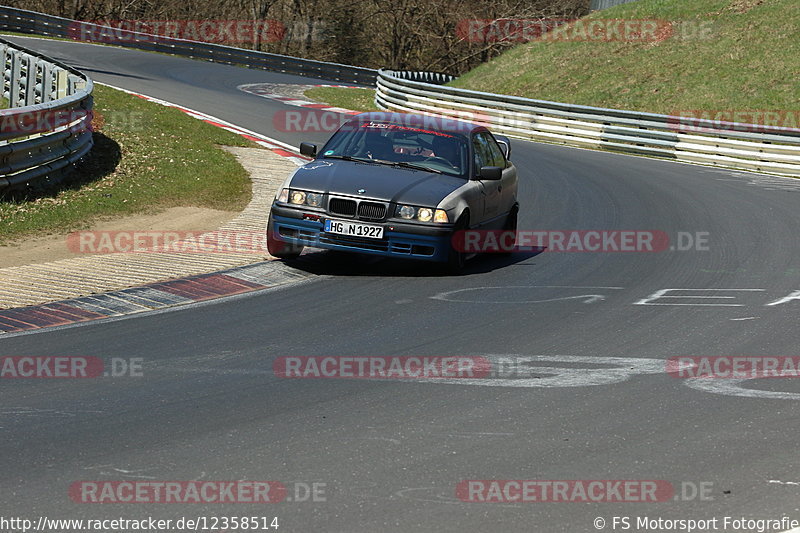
(381, 182)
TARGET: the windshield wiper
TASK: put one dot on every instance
(406, 164)
(349, 158)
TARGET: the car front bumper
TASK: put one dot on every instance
(411, 241)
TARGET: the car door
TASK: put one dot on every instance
(509, 181)
(491, 190)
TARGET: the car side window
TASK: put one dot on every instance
(483, 156)
(498, 158)
(492, 153)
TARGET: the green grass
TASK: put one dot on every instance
(146, 158)
(750, 61)
(19, 34)
(353, 99)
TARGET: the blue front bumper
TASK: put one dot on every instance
(393, 244)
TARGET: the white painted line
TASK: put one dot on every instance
(340, 110)
(253, 88)
(517, 371)
(447, 296)
(661, 294)
(793, 296)
(300, 103)
(733, 387)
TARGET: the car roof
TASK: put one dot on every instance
(416, 120)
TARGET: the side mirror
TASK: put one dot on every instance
(505, 145)
(308, 149)
(491, 173)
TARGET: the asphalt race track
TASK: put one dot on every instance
(391, 453)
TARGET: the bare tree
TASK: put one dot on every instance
(398, 34)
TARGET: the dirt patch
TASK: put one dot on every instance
(33, 251)
(743, 6)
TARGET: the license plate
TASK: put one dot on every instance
(353, 229)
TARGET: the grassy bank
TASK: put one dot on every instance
(353, 99)
(723, 55)
(146, 158)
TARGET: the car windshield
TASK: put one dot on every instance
(382, 142)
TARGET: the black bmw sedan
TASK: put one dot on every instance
(397, 185)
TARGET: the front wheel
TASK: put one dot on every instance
(510, 226)
(456, 258)
(278, 248)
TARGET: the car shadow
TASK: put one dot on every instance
(335, 263)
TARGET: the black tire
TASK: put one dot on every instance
(278, 248)
(456, 259)
(510, 225)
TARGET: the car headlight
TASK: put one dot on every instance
(297, 197)
(407, 212)
(423, 214)
(314, 199)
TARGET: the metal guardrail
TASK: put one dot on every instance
(597, 5)
(31, 22)
(724, 144)
(47, 126)
(729, 145)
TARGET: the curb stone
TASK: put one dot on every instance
(27, 292)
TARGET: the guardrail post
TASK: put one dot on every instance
(75, 84)
(48, 82)
(5, 57)
(30, 81)
(38, 82)
(13, 81)
(61, 83)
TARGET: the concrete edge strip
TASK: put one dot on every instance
(288, 100)
(159, 295)
(170, 293)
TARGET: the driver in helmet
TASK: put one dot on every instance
(447, 149)
(379, 147)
